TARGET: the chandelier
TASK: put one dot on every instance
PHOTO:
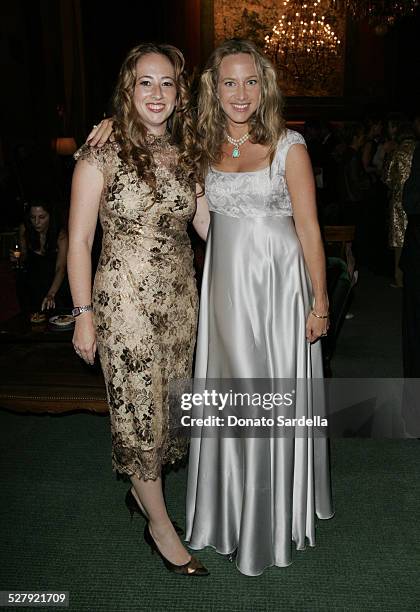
(304, 46)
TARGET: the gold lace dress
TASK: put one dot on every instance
(145, 303)
(396, 172)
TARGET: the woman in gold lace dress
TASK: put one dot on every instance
(143, 318)
(395, 173)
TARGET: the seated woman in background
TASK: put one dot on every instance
(44, 244)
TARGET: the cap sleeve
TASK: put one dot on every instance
(289, 138)
(95, 156)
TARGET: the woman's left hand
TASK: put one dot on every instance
(48, 302)
(316, 327)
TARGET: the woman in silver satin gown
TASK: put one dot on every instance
(264, 267)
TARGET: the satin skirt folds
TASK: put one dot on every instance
(256, 495)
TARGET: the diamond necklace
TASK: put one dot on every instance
(237, 143)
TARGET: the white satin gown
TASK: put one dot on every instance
(256, 495)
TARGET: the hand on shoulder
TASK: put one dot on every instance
(101, 133)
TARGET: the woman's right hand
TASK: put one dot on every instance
(84, 338)
(101, 133)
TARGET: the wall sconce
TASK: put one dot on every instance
(65, 145)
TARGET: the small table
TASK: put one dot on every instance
(40, 372)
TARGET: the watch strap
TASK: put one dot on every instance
(77, 310)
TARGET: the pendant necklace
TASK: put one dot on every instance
(237, 143)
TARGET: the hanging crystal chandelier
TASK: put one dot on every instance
(304, 46)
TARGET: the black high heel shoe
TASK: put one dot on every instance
(132, 505)
(193, 564)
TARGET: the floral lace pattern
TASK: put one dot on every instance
(396, 172)
(145, 303)
(262, 193)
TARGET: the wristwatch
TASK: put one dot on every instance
(79, 309)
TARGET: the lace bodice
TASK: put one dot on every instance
(128, 206)
(145, 301)
(262, 193)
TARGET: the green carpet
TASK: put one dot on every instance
(64, 525)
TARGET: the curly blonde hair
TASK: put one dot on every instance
(267, 123)
(130, 132)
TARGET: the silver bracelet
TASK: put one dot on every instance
(79, 309)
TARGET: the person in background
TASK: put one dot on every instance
(329, 144)
(43, 242)
(388, 143)
(354, 188)
(313, 138)
(319, 140)
(396, 172)
(410, 265)
(373, 129)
